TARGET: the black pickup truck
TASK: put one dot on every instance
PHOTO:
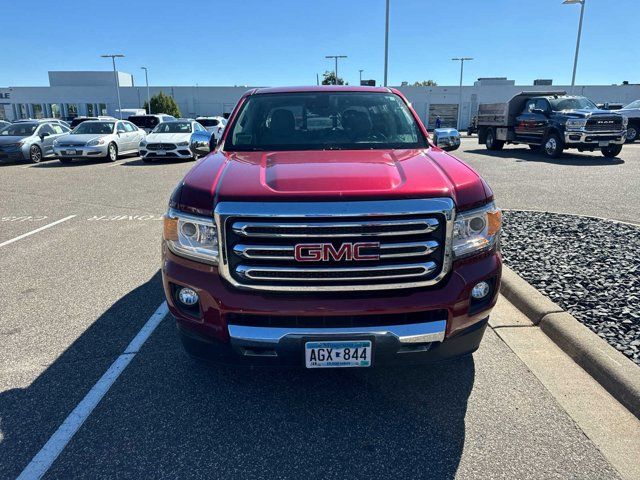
(551, 122)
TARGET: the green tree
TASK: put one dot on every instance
(162, 103)
(329, 78)
(425, 83)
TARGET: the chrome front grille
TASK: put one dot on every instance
(403, 244)
(161, 146)
(604, 124)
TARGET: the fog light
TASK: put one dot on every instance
(188, 296)
(480, 291)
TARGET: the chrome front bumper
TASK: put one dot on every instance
(81, 151)
(180, 152)
(251, 336)
(586, 137)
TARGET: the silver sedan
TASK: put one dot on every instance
(99, 139)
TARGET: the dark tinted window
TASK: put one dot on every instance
(77, 121)
(324, 121)
(209, 122)
(144, 121)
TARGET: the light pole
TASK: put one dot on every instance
(336, 57)
(575, 60)
(360, 76)
(386, 44)
(146, 77)
(461, 60)
(115, 75)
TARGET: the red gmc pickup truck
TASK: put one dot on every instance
(326, 230)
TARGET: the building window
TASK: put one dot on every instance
(102, 109)
(90, 110)
(72, 110)
(23, 111)
(55, 110)
(37, 110)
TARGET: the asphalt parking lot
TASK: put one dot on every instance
(78, 291)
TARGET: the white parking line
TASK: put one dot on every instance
(65, 432)
(36, 230)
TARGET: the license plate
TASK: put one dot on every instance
(70, 152)
(161, 152)
(603, 144)
(338, 354)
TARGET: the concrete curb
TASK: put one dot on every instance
(610, 368)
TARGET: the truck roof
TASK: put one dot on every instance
(320, 88)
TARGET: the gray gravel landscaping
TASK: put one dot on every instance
(590, 267)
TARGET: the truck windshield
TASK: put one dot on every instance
(572, 103)
(324, 121)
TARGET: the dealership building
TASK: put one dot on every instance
(71, 94)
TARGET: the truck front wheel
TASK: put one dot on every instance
(491, 142)
(632, 133)
(553, 146)
(611, 151)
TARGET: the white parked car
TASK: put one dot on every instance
(214, 125)
(175, 139)
(99, 139)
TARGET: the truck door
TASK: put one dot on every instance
(541, 118)
(525, 121)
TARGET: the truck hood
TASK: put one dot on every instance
(329, 175)
(581, 113)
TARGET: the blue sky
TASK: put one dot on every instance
(283, 42)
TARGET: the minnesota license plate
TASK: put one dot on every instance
(338, 354)
(71, 152)
(161, 152)
(603, 144)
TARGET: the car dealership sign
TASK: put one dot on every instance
(4, 94)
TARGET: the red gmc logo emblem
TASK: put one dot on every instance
(325, 252)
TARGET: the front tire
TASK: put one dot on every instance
(553, 146)
(112, 153)
(491, 142)
(632, 133)
(35, 154)
(611, 151)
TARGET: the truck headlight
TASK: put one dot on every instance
(625, 122)
(476, 231)
(95, 141)
(576, 123)
(191, 236)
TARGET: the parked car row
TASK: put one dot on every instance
(104, 138)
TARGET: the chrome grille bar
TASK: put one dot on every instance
(344, 274)
(263, 252)
(258, 239)
(374, 228)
